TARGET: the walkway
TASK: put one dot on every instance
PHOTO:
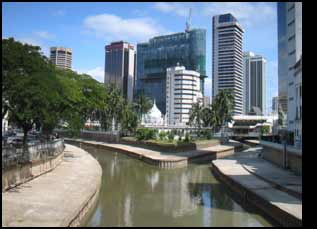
(163, 160)
(58, 198)
(275, 191)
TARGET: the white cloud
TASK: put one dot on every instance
(44, 35)
(113, 27)
(97, 73)
(179, 9)
(248, 14)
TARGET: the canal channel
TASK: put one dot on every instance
(134, 193)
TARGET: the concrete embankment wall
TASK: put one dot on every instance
(273, 152)
(247, 198)
(19, 174)
(93, 135)
(63, 197)
(20, 166)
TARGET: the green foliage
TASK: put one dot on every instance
(142, 105)
(146, 133)
(171, 135)
(162, 135)
(187, 137)
(265, 130)
(195, 115)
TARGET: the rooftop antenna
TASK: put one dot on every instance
(188, 22)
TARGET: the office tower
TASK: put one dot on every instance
(290, 51)
(275, 104)
(254, 82)
(227, 58)
(206, 101)
(154, 57)
(120, 67)
(297, 106)
(182, 90)
(61, 57)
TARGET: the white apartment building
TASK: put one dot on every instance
(254, 93)
(227, 58)
(182, 90)
(61, 57)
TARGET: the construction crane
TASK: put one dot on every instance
(188, 22)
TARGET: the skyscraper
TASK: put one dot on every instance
(275, 104)
(254, 82)
(120, 67)
(227, 58)
(289, 65)
(154, 57)
(282, 55)
(61, 57)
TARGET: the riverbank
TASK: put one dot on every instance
(274, 191)
(161, 159)
(61, 197)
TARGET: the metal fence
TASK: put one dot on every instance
(41, 151)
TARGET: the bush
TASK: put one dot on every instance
(171, 135)
(162, 135)
(187, 137)
(146, 133)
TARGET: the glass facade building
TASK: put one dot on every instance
(282, 55)
(154, 57)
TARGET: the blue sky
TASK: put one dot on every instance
(88, 27)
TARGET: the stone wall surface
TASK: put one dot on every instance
(273, 152)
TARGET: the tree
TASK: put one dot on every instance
(129, 120)
(223, 105)
(195, 115)
(27, 81)
(207, 116)
(142, 104)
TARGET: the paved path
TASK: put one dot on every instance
(55, 198)
(262, 178)
(156, 155)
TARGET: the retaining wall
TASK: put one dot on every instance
(273, 152)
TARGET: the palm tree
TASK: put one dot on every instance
(223, 107)
(207, 116)
(142, 104)
(195, 115)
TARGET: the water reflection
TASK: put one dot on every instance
(136, 194)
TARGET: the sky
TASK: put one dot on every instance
(87, 27)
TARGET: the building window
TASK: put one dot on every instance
(300, 91)
(291, 53)
(292, 7)
(291, 37)
(291, 22)
(291, 98)
(291, 83)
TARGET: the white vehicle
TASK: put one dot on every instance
(10, 140)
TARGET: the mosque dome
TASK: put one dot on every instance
(154, 116)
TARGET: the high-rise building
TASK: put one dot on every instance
(61, 57)
(182, 91)
(254, 82)
(290, 53)
(227, 58)
(154, 57)
(275, 104)
(120, 67)
(206, 101)
(282, 55)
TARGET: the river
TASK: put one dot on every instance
(134, 193)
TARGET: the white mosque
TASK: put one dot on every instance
(154, 117)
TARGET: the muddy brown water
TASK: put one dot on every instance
(134, 193)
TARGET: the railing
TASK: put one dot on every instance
(13, 156)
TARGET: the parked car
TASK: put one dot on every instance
(17, 142)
